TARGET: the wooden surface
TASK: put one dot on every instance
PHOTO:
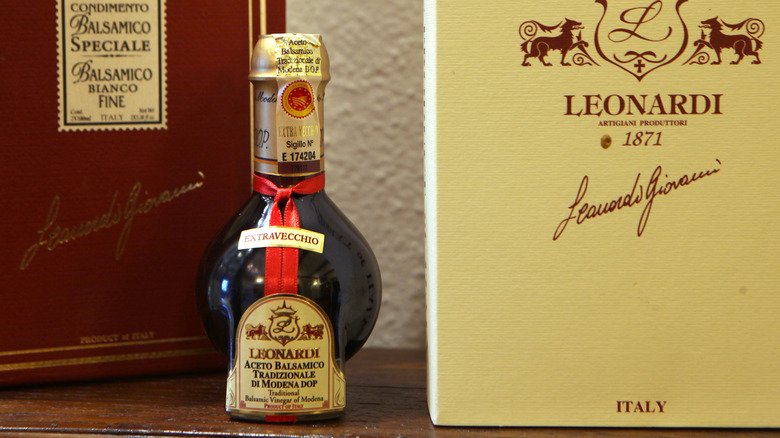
(386, 398)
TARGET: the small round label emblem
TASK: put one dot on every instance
(298, 99)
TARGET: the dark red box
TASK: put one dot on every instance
(103, 228)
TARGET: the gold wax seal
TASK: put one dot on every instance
(606, 141)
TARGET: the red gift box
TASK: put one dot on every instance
(105, 220)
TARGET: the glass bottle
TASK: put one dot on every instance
(287, 329)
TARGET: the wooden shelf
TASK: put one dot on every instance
(386, 398)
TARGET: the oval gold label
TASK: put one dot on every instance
(285, 363)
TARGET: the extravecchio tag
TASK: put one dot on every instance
(285, 237)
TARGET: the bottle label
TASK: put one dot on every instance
(285, 363)
(284, 237)
(112, 65)
(290, 143)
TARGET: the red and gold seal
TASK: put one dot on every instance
(298, 99)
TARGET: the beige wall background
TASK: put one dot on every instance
(374, 142)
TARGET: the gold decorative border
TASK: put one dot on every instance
(103, 359)
(95, 346)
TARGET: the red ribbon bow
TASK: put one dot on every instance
(281, 264)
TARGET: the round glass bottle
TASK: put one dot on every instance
(288, 289)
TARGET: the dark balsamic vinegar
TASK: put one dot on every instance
(344, 280)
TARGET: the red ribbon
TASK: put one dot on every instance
(281, 264)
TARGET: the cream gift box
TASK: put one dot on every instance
(602, 212)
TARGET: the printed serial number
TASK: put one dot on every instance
(299, 156)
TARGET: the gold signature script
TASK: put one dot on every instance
(580, 211)
(139, 201)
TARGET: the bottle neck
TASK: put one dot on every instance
(287, 148)
(287, 108)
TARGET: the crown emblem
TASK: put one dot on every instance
(284, 310)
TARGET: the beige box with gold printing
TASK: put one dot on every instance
(603, 203)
